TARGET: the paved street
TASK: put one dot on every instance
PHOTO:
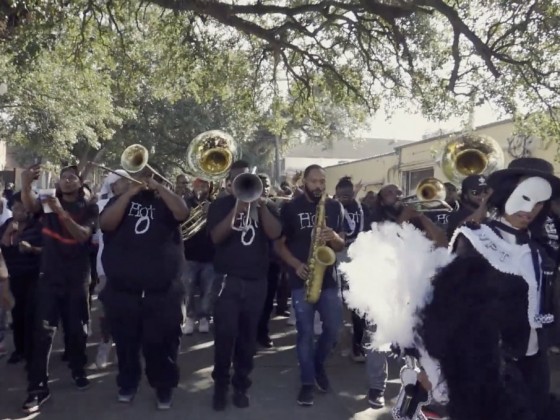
(272, 396)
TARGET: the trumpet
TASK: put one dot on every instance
(430, 194)
(247, 188)
(135, 158)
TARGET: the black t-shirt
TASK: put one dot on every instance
(23, 264)
(61, 252)
(145, 252)
(356, 219)
(245, 252)
(440, 217)
(298, 219)
(199, 248)
(457, 217)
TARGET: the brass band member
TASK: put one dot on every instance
(143, 260)
(298, 219)
(241, 260)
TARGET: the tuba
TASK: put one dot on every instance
(209, 156)
(320, 256)
(471, 154)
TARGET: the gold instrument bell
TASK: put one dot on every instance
(471, 154)
(209, 157)
(135, 158)
(211, 154)
(430, 195)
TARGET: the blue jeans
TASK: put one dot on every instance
(312, 357)
(201, 278)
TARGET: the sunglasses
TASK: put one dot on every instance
(478, 192)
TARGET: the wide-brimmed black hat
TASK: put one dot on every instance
(527, 166)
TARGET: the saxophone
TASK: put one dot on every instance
(320, 256)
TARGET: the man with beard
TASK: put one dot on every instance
(241, 260)
(298, 220)
(143, 259)
(474, 192)
(62, 290)
(199, 252)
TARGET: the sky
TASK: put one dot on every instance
(405, 126)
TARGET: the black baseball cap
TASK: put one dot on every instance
(474, 182)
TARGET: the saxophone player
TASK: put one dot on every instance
(298, 222)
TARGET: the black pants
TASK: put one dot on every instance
(151, 324)
(535, 377)
(283, 293)
(23, 290)
(53, 302)
(236, 316)
(272, 285)
(358, 327)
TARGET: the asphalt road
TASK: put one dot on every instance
(273, 395)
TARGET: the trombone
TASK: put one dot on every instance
(114, 172)
(135, 158)
(430, 196)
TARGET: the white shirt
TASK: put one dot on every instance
(533, 346)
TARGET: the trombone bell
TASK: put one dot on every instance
(134, 158)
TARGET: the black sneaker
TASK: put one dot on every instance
(219, 400)
(322, 381)
(265, 342)
(305, 396)
(376, 399)
(358, 355)
(240, 399)
(82, 382)
(126, 395)
(35, 400)
(164, 398)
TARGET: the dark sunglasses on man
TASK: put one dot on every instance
(478, 192)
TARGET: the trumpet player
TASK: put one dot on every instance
(143, 259)
(241, 261)
(298, 220)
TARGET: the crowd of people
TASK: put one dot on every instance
(125, 245)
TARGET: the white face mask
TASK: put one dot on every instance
(527, 194)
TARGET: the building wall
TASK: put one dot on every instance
(423, 155)
(293, 164)
(373, 172)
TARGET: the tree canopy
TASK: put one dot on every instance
(89, 76)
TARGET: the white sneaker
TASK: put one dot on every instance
(203, 326)
(103, 353)
(188, 327)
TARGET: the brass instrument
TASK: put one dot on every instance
(320, 256)
(471, 154)
(114, 172)
(135, 158)
(209, 156)
(247, 188)
(430, 194)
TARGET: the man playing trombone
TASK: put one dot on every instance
(241, 224)
(143, 259)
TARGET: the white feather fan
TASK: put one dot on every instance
(389, 277)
